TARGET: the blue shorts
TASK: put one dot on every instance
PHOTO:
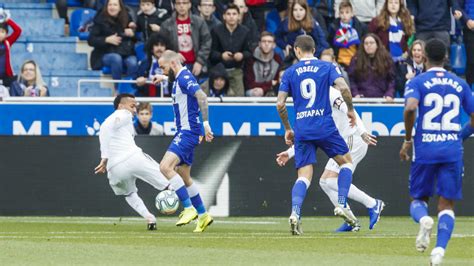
(448, 178)
(305, 151)
(183, 145)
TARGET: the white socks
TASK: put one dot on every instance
(193, 190)
(332, 194)
(137, 204)
(329, 186)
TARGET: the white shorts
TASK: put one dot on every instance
(357, 148)
(122, 176)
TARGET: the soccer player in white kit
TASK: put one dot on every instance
(124, 160)
(358, 140)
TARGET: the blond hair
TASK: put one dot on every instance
(39, 82)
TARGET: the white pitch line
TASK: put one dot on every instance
(160, 237)
(134, 221)
(230, 235)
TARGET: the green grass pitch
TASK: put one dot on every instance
(229, 241)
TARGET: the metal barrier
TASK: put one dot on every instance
(113, 81)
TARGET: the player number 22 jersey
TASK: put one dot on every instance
(441, 95)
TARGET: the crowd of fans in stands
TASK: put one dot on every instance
(378, 45)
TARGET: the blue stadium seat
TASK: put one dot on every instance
(72, 3)
(106, 70)
(79, 18)
(47, 44)
(63, 83)
(43, 27)
(140, 51)
(279, 52)
(272, 21)
(458, 58)
(126, 87)
(36, 10)
(131, 2)
(49, 62)
(24, 1)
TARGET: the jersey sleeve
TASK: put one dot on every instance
(334, 73)
(188, 85)
(285, 82)
(468, 100)
(337, 101)
(411, 90)
(361, 129)
(104, 139)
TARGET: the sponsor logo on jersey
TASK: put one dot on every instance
(310, 113)
(443, 137)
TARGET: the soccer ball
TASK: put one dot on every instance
(167, 202)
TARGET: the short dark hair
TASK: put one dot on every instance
(305, 43)
(232, 6)
(147, 1)
(267, 33)
(119, 98)
(345, 4)
(145, 106)
(435, 51)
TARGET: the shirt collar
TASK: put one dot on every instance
(308, 58)
(181, 70)
(437, 69)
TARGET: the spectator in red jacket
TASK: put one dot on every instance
(261, 70)
(6, 41)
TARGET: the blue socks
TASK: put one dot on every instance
(418, 209)
(344, 182)
(196, 199)
(298, 193)
(177, 184)
(445, 228)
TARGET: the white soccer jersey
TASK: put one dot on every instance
(339, 114)
(117, 138)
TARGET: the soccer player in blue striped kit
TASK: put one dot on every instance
(188, 101)
(309, 81)
(437, 95)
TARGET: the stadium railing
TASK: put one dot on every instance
(212, 99)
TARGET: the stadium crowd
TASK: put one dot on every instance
(233, 48)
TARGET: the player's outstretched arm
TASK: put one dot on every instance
(283, 113)
(204, 107)
(409, 116)
(341, 85)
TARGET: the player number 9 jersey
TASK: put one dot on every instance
(308, 82)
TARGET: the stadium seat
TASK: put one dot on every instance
(47, 44)
(71, 3)
(458, 58)
(131, 2)
(30, 10)
(23, 1)
(279, 52)
(47, 62)
(140, 51)
(64, 83)
(273, 20)
(106, 70)
(80, 18)
(126, 87)
(44, 27)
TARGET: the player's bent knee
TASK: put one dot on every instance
(348, 166)
(445, 204)
(166, 169)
